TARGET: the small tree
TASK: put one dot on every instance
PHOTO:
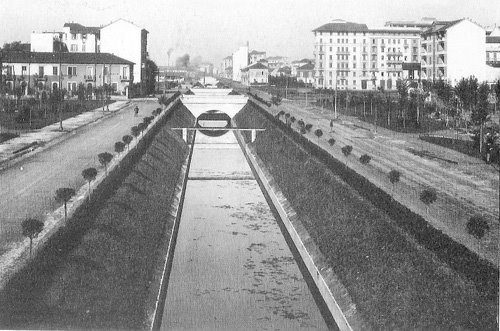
(318, 133)
(287, 117)
(31, 227)
(477, 226)
(365, 159)
(135, 131)
(141, 127)
(303, 130)
(104, 159)
(346, 150)
(127, 139)
(394, 177)
(292, 119)
(308, 127)
(119, 147)
(428, 196)
(89, 175)
(64, 194)
(331, 141)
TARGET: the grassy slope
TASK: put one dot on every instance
(97, 275)
(394, 283)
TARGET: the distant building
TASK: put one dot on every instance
(206, 68)
(297, 64)
(444, 54)
(352, 56)
(255, 74)
(256, 56)
(493, 50)
(305, 74)
(276, 61)
(226, 68)
(75, 37)
(49, 71)
(129, 41)
(424, 23)
(240, 61)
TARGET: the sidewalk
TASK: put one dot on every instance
(465, 185)
(28, 142)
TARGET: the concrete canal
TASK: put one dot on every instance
(232, 267)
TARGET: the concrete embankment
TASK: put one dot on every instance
(98, 271)
(397, 272)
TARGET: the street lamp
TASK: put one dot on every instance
(374, 80)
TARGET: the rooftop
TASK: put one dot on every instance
(308, 66)
(341, 26)
(257, 65)
(493, 40)
(78, 28)
(257, 52)
(72, 58)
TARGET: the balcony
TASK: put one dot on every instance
(394, 61)
(394, 53)
(89, 78)
(394, 69)
(125, 79)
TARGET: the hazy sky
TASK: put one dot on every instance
(214, 29)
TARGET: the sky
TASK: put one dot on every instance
(214, 29)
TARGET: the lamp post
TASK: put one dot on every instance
(374, 80)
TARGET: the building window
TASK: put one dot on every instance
(83, 48)
(55, 71)
(354, 65)
(24, 69)
(72, 86)
(73, 36)
(40, 71)
(71, 71)
(74, 48)
(331, 48)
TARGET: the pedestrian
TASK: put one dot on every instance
(331, 125)
(136, 111)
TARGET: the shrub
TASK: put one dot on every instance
(477, 226)
(331, 141)
(308, 127)
(135, 131)
(365, 159)
(428, 196)
(303, 130)
(301, 123)
(119, 147)
(318, 133)
(346, 150)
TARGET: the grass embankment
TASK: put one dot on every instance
(96, 272)
(395, 283)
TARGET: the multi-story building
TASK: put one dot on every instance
(75, 38)
(276, 62)
(226, 68)
(351, 56)
(240, 61)
(121, 38)
(452, 50)
(129, 41)
(49, 71)
(493, 48)
(256, 56)
(297, 64)
(424, 23)
(305, 74)
(256, 73)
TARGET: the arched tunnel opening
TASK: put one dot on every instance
(213, 120)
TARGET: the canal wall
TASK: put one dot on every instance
(97, 269)
(399, 272)
(334, 294)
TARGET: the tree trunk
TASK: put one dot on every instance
(65, 212)
(89, 191)
(364, 109)
(481, 138)
(31, 245)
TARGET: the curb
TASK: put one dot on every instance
(15, 259)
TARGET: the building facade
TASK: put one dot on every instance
(452, 50)
(256, 56)
(50, 71)
(129, 41)
(75, 38)
(256, 73)
(352, 56)
(305, 74)
(240, 61)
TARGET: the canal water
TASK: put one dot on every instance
(232, 268)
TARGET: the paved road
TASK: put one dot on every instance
(27, 188)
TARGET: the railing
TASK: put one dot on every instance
(124, 78)
(89, 78)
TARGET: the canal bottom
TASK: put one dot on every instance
(232, 268)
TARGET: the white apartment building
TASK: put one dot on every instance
(256, 73)
(76, 37)
(126, 40)
(240, 61)
(351, 56)
(452, 50)
(493, 51)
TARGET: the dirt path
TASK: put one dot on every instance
(465, 185)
